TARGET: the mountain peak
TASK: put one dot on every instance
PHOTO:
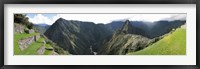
(127, 22)
(60, 19)
(127, 27)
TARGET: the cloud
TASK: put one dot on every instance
(106, 18)
(96, 18)
(177, 17)
(41, 19)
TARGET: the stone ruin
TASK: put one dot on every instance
(30, 31)
(23, 43)
(18, 28)
(37, 36)
(21, 28)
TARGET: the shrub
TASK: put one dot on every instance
(30, 26)
(26, 30)
(22, 19)
(18, 18)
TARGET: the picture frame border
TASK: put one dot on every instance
(2, 2)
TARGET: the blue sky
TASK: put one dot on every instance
(102, 18)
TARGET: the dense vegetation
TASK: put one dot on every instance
(22, 19)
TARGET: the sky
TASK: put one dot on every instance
(102, 18)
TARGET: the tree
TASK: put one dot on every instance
(30, 26)
(22, 19)
(18, 18)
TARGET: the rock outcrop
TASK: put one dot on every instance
(18, 28)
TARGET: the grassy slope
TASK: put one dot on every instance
(173, 44)
(32, 48)
(48, 52)
(17, 37)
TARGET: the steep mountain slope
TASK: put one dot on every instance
(163, 27)
(76, 36)
(148, 29)
(123, 40)
(171, 44)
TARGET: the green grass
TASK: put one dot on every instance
(17, 37)
(48, 46)
(33, 48)
(48, 52)
(173, 44)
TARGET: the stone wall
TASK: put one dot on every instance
(23, 43)
(37, 36)
(18, 28)
(30, 31)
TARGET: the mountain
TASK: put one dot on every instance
(76, 36)
(41, 27)
(173, 43)
(117, 37)
(42, 24)
(149, 29)
(123, 40)
(162, 27)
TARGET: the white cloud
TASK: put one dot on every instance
(177, 17)
(107, 18)
(40, 19)
(96, 18)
